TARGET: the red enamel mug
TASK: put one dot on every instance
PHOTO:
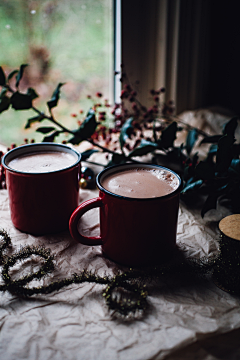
(42, 202)
(133, 231)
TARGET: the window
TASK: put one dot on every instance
(62, 41)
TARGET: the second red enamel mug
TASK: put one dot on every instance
(133, 231)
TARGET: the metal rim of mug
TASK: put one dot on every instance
(113, 169)
(26, 149)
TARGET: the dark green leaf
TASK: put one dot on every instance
(213, 149)
(12, 73)
(3, 92)
(75, 140)
(191, 139)
(204, 170)
(235, 167)
(2, 77)
(4, 103)
(45, 129)
(32, 93)
(20, 74)
(117, 159)
(189, 181)
(21, 101)
(195, 159)
(211, 139)
(55, 97)
(193, 186)
(210, 203)
(50, 138)
(222, 189)
(87, 128)
(144, 148)
(168, 136)
(230, 126)
(32, 120)
(211, 153)
(86, 154)
(224, 153)
(126, 132)
(176, 154)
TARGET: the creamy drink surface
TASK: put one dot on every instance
(141, 183)
(42, 162)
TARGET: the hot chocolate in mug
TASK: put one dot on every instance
(138, 214)
(43, 186)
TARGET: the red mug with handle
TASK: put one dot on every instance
(42, 202)
(133, 231)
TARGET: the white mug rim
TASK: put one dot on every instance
(27, 149)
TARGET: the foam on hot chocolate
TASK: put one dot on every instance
(42, 162)
(141, 182)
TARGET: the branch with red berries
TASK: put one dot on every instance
(137, 131)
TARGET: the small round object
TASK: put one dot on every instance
(87, 173)
(230, 226)
(83, 183)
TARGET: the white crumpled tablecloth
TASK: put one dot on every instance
(184, 321)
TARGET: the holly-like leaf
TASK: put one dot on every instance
(21, 101)
(86, 154)
(144, 148)
(2, 77)
(211, 153)
(32, 120)
(32, 93)
(11, 75)
(126, 132)
(55, 97)
(117, 159)
(193, 186)
(86, 129)
(191, 140)
(4, 103)
(20, 74)
(211, 139)
(230, 126)
(51, 138)
(204, 170)
(168, 136)
(45, 129)
(75, 140)
(210, 203)
(235, 167)
(224, 153)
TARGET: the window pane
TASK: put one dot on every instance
(67, 41)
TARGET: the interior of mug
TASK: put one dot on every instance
(34, 148)
(123, 167)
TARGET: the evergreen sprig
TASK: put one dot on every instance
(126, 293)
(19, 286)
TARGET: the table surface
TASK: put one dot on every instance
(186, 319)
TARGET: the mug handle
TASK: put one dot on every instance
(75, 217)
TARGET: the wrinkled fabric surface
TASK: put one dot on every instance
(74, 323)
(186, 318)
